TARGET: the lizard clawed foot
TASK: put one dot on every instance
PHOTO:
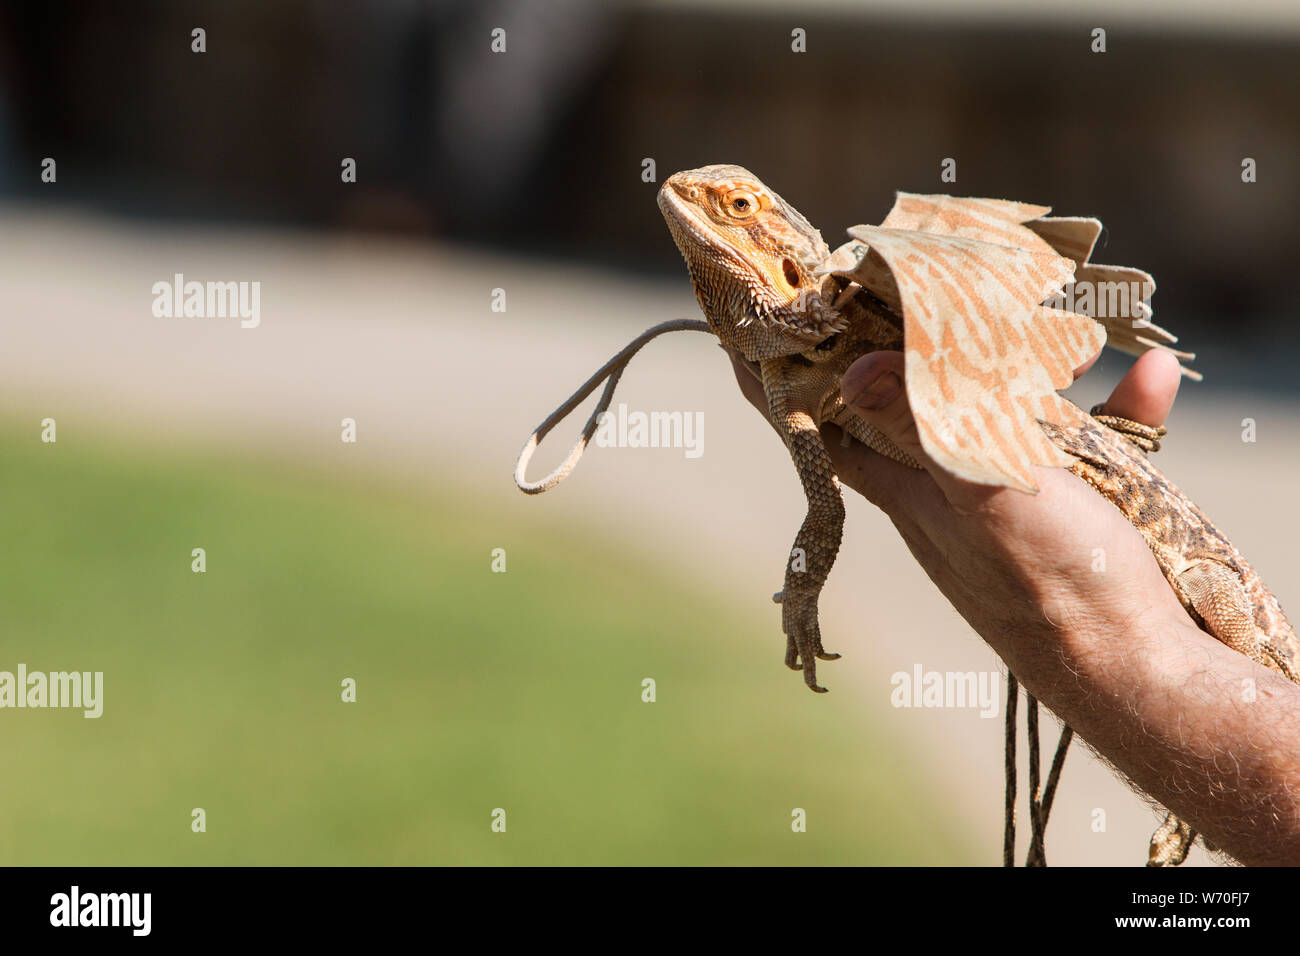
(803, 642)
(1170, 843)
(1267, 652)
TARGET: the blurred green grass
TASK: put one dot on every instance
(475, 690)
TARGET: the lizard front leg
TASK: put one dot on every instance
(792, 404)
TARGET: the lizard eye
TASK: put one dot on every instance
(741, 204)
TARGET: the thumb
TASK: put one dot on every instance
(873, 389)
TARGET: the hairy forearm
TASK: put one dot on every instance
(1204, 730)
(1199, 727)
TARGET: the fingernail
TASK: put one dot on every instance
(879, 393)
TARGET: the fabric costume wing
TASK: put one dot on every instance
(978, 282)
(1117, 296)
(983, 357)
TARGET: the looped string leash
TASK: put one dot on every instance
(1145, 437)
(612, 370)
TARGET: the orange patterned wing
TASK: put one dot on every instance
(1116, 296)
(983, 356)
(987, 220)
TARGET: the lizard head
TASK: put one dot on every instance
(752, 258)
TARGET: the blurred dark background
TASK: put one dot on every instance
(540, 148)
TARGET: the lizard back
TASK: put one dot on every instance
(1174, 527)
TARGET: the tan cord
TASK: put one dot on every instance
(613, 370)
(1146, 437)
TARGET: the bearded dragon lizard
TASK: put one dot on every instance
(751, 258)
(958, 285)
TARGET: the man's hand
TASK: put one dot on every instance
(1201, 728)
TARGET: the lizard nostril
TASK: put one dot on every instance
(791, 273)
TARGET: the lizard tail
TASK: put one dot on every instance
(612, 370)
